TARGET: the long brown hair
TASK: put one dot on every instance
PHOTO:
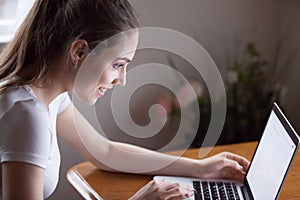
(49, 29)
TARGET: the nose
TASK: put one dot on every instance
(121, 79)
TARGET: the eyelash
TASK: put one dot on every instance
(117, 65)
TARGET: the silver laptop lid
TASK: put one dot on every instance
(272, 159)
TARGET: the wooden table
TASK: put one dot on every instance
(89, 181)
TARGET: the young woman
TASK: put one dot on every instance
(40, 65)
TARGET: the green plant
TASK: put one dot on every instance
(249, 98)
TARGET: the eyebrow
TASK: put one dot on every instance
(125, 59)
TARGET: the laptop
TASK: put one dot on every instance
(268, 169)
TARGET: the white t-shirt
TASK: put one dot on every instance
(28, 132)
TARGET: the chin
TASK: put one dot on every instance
(90, 101)
(87, 99)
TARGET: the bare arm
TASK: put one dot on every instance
(22, 181)
(109, 155)
(114, 156)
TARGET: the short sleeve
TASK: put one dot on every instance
(64, 102)
(25, 134)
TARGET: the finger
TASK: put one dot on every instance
(179, 188)
(171, 186)
(228, 161)
(234, 166)
(179, 193)
(239, 176)
(177, 197)
(231, 173)
(241, 160)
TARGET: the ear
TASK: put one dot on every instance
(79, 50)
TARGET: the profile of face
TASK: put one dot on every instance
(105, 67)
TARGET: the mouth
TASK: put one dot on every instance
(100, 92)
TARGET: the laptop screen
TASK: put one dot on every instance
(272, 158)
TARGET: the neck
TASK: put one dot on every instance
(59, 82)
(47, 93)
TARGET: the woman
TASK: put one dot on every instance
(40, 65)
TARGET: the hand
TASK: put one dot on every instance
(225, 166)
(162, 190)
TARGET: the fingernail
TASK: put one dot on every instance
(189, 194)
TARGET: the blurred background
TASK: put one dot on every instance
(254, 43)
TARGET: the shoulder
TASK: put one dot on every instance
(28, 113)
(64, 101)
(11, 96)
(25, 129)
(18, 109)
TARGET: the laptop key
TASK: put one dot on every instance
(198, 191)
(214, 190)
(206, 190)
(236, 194)
(221, 189)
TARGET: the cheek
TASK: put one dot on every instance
(106, 78)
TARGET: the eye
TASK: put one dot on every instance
(117, 65)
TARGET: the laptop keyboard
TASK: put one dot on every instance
(206, 190)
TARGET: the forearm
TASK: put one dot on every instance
(114, 156)
(133, 159)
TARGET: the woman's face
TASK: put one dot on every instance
(101, 72)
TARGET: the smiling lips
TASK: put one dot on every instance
(100, 92)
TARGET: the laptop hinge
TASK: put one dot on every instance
(246, 194)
